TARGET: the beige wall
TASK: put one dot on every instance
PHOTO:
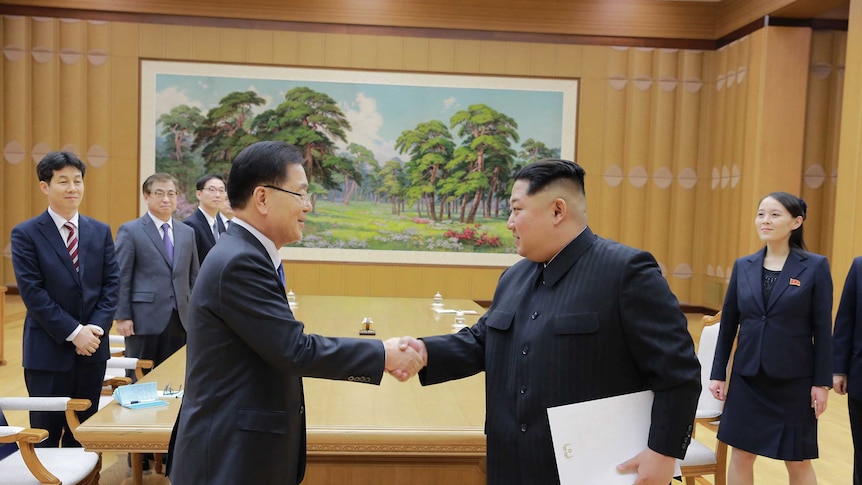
(676, 152)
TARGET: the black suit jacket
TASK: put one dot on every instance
(203, 232)
(847, 339)
(790, 336)
(599, 321)
(243, 414)
(57, 297)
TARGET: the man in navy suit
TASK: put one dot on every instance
(207, 221)
(68, 278)
(580, 318)
(243, 414)
(158, 265)
(847, 360)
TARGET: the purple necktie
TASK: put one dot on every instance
(169, 246)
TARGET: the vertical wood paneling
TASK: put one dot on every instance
(467, 55)
(619, 128)
(848, 236)
(659, 158)
(821, 132)
(492, 57)
(635, 151)
(332, 278)
(407, 282)
(608, 170)
(312, 49)
(18, 177)
(337, 50)
(205, 44)
(232, 45)
(543, 60)
(684, 190)
(517, 59)
(179, 42)
(363, 51)
(96, 146)
(259, 46)
(390, 53)
(441, 55)
(356, 280)
(152, 43)
(285, 48)
(415, 54)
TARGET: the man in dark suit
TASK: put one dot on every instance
(580, 318)
(207, 221)
(847, 360)
(68, 278)
(243, 414)
(158, 265)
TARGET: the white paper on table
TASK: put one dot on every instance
(449, 310)
(591, 438)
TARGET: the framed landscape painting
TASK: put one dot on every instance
(403, 167)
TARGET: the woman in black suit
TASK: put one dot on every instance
(779, 299)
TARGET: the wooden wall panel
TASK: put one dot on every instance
(628, 118)
(286, 47)
(848, 210)
(390, 53)
(681, 253)
(822, 127)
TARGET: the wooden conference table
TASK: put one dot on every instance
(357, 433)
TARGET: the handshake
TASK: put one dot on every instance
(405, 357)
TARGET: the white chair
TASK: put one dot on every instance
(118, 345)
(115, 375)
(700, 459)
(55, 466)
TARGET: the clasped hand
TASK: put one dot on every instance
(88, 339)
(405, 357)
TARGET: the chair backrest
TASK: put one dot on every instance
(707, 405)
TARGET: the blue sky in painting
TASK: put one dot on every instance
(378, 113)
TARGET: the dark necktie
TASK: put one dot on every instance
(72, 244)
(280, 271)
(169, 246)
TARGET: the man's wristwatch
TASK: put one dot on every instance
(828, 388)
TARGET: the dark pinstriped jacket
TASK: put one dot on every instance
(598, 321)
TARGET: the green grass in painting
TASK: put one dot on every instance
(366, 225)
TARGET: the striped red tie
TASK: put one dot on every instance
(72, 243)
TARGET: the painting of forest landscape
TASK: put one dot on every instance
(395, 161)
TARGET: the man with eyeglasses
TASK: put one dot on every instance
(158, 262)
(206, 221)
(243, 414)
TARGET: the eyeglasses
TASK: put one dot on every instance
(215, 190)
(303, 198)
(160, 194)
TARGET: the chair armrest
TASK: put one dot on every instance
(12, 434)
(69, 405)
(26, 439)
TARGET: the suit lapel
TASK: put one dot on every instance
(220, 223)
(203, 222)
(52, 238)
(753, 274)
(152, 232)
(793, 269)
(85, 239)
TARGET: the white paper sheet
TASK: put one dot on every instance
(591, 438)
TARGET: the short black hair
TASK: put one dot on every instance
(54, 161)
(261, 163)
(543, 173)
(202, 182)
